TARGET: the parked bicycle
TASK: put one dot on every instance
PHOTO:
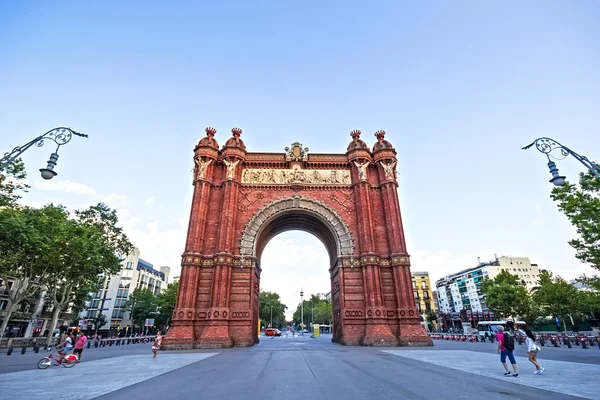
(69, 361)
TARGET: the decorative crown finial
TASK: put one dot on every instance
(380, 135)
(210, 131)
(236, 131)
(355, 134)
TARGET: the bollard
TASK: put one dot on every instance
(584, 344)
(36, 349)
(569, 343)
(96, 344)
(117, 343)
(23, 350)
(9, 352)
(128, 341)
(110, 344)
(565, 341)
(542, 341)
(89, 344)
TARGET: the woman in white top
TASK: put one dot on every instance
(532, 350)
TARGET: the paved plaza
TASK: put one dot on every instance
(305, 368)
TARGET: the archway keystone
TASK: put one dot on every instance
(242, 200)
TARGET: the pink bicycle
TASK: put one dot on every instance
(69, 361)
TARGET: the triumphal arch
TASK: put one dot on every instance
(243, 199)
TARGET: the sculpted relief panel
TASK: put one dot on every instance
(289, 176)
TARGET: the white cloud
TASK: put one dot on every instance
(150, 200)
(64, 186)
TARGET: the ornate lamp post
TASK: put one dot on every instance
(546, 145)
(60, 136)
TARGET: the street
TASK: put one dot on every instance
(303, 368)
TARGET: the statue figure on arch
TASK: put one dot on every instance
(201, 167)
(362, 170)
(388, 169)
(230, 167)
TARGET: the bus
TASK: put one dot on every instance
(491, 327)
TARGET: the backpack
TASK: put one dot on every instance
(509, 341)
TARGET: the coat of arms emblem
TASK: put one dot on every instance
(296, 152)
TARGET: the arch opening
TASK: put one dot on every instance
(299, 220)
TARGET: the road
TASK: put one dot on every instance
(305, 368)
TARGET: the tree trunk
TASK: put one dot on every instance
(53, 322)
(9, 311)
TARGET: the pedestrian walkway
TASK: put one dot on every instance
(91, 379)
(570, 378)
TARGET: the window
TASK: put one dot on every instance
(118, 313)
(128, 265)
(426, 295)
(120, 303)
(416, 295)
(424, 285)
(414, 285)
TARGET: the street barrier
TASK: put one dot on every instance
(99, 343)
(585, 342)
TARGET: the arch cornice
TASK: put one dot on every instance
(251, 232)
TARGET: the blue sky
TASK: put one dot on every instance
(459, 88)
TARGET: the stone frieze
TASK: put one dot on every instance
(290, 176)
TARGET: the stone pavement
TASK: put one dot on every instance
(569, 378)
(305, 368)
(92, 379)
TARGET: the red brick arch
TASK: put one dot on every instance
(242, 200)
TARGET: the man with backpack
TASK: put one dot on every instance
(506, 345)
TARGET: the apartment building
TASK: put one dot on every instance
(462, 290)
(112, 298)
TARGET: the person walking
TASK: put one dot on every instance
(506, 345)
(79, 345)
(156, 345)
(532, 351)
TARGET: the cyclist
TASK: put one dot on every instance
(64, 347)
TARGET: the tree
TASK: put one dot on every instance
(142, 304)
(271, 301)
(581, 205)
(557, 297)
(99, 322)
(12, 182)
(320, 310)
(27, 237)
(507, 296)
(167, 300)
(84, 248)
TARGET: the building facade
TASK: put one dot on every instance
(111, 299)
(422, 292)
(462, 290)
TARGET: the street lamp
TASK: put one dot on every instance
(271, 316)
(546, 145)
(302, 311)
(60, 136)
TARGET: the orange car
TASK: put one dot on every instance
(272, 332)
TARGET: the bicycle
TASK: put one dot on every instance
(69, 361)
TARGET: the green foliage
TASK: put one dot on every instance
(12, 183)
(507, 296)
(167, 300)
(431, 317)
(27, 253)
(142, 304)
(99, 322)
(558, 298)
(581, 205)
(270, 301)
(320, 310)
